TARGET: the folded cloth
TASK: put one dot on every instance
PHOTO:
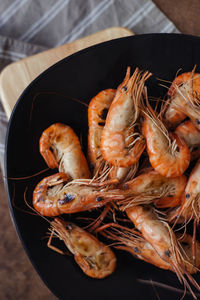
(30, 26)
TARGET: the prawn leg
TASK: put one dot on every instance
(53, 247)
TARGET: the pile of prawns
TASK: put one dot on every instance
(137, 158)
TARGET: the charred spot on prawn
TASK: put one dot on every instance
(40, 199)
(167, 253)
(101, 123)
(67, 198)
(104, 114)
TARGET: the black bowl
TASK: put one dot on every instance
(52, 98)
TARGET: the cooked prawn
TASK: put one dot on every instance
(158, 233)
(96, 259)
(130, 240)
(97, 113)
(151, 187)
(168, 153)
(120, 145)
(190, 207)
(191, 135)
(184, 99)
(54, 195)
(60, 147)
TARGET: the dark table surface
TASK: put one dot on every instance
(18, 279)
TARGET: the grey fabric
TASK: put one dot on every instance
(31, 26)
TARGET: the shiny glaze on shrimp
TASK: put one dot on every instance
(95, 258)
(60, 147)
(54, 196)
(190, 207)
(184, 99)
(120, 146)
(163, 240)
(154, 231)
(153, 187)
(130, 240)
(191, 135)
(97, 113)
(168, 153)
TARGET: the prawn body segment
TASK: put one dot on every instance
(185, 95)
(191, 135)
(60, 147)
(93, 257)
(191, 201)
(54, 196)
(168, 154)
(132, 242)
(121, 146)
(46, 192)
(151, 187)
(97, 113)
(153, 230)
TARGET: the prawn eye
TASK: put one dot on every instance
(167, 253)
(125, 186)
(124, 88)
(99, 198)
(197, 122)
(136, 250)
(141, 119)
(69, 226)
(187, 196)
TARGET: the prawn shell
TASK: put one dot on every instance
(117, 141)
(54, 195)
(184, 78)
(97, 112)
(96, 259)
(191, 200)
(153, 184)
(45, 204)
(185, 95)
(176, 199)
(160, 157)
(60, 147)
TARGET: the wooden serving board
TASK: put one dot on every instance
(17, 76)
